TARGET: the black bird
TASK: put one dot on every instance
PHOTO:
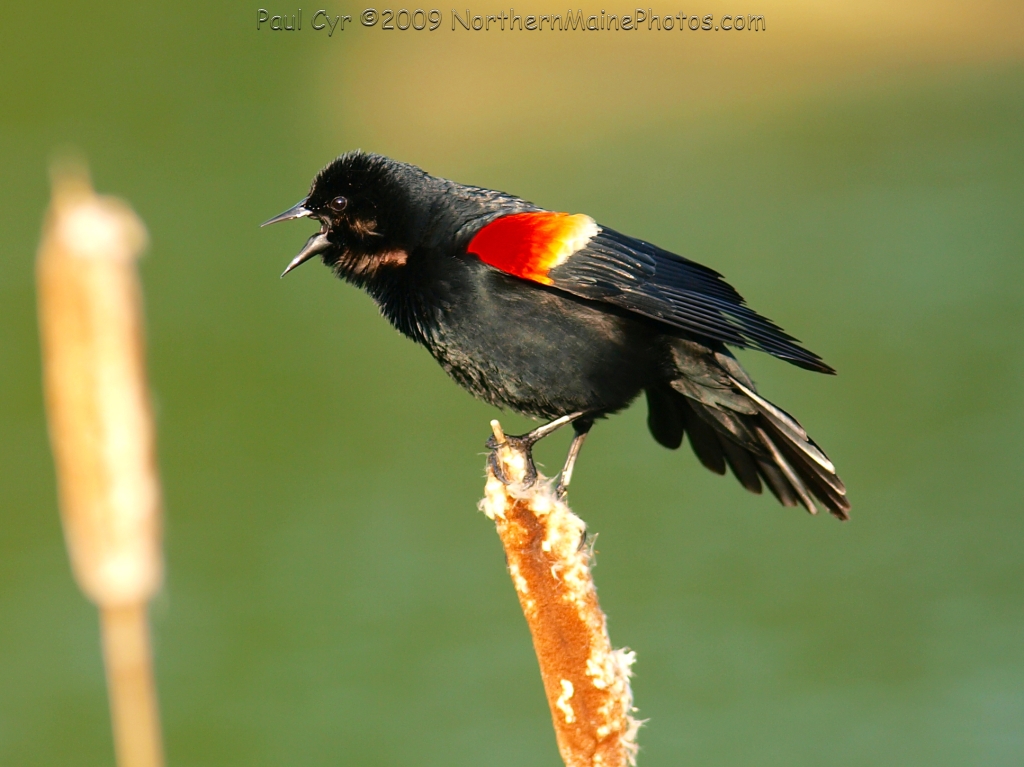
(557, 317)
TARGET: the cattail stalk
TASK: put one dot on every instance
(102, 435)
(585, 680)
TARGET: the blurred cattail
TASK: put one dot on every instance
(102, 435)
(585, 680)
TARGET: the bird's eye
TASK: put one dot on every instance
(337, 204)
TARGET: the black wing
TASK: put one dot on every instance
(643, 278)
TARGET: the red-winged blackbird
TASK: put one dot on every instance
(557, 317)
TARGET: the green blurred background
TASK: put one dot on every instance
(333, 596)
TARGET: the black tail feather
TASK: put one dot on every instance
(743, 465)
(704, 439)
(777, 483)
(762, 446)
(663, 416)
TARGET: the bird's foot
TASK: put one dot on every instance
(561, 490)
(522, 445)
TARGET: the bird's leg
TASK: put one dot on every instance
(524, 444)
(582, 428)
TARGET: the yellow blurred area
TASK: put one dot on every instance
(494, 90)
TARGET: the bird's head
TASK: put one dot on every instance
(370, 210)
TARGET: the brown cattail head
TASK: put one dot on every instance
(101, 428)
(586, 681)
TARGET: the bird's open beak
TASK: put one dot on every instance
(315, 245)
(299, 210)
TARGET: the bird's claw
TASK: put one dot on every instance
(522, 445)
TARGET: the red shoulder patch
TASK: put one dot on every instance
(529, 245)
